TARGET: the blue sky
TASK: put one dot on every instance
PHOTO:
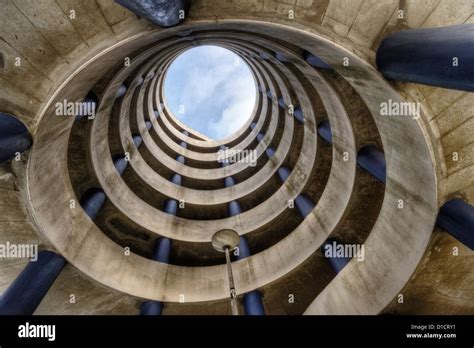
(215, 87)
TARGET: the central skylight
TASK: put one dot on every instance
(211, 90)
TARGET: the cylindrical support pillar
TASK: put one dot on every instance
(253, 302)
(316, 61)
(120, 164)
(281, 103)
(372, 160)
(270, 151)
(180, 159)
(441, 57)
(324, 130)
(260, 136)
(298, 114)
(162, 250)
(163, 13)
(171, 206)
(28, 290)
(234, 208)
(148, 125)
(151, 308)
(137, 140)
(92, 201)
(457, 218)
(283, 173)
(14, 137)
(121, 91)
(229, 181)
(304, 204)
(161, 253)
(176, 179)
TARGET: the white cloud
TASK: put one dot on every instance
(217, 93)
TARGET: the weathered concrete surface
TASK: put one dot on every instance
(445, 127)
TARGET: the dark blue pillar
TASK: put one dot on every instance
(316, 61)
(151, 308)
(28, 290)
(120, 164)
(161, 253)
(121, 91)
(162, 250)
(304, 204)
(283, 173)
(441, 57)
(298, 114)
(457, 218)
(337, 263)
(324, 130)
(281, 57)
(253, 303)
(164, 13)
(281, 103)
(260, 136)
(137, 140)
(372, 160)
(270, 151)
(92, 201)
(148, 125)
(171, 206)
(14, 137)
(180, 159)
(234, 208)
(176, 179)
(229, 181)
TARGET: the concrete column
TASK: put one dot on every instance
(441, 57)
(92, 201)
(457, 218)
(297, 112)
(121, 91)
(14, 137)
(28, 290)
(161, 253)
(120, 164)
(324, 130)
(372, 160)
(137, 140)
(316, 61)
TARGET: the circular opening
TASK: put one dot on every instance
(211, 90)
